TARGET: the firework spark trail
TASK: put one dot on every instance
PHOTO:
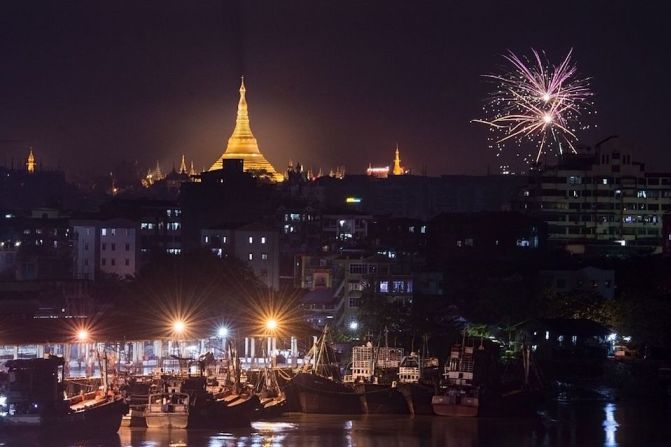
(538, 103)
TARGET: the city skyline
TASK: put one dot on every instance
(147, 83)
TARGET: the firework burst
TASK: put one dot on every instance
(536, 104)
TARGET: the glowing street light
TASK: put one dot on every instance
(178, 327)
(222, 332)
(353, 325)
(271, 324)
(82, 335)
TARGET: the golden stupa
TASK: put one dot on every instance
(243, 146)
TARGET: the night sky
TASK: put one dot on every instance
(91, 83)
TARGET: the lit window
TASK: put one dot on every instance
(384, 286)
(251, 240)
(113, 231)
(250, 256)
(263, 239)
(207, 239)
(103, 231)
(264, 256)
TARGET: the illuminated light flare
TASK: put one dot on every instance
(271, 324)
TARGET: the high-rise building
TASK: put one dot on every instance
(243, 146)
(600, 200)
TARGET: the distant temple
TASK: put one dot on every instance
(31, 164)
(398, 169)
(384, 171)
(243, 146)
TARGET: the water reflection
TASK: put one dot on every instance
(610, 424)
(562, 424)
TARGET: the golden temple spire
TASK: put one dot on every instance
(192, 171)
(398, 169)
(182, 166)
(31, 163)
(242, 144)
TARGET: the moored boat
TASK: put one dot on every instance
(35, 400)
(317, 388)
(459, 396)
(167, 410)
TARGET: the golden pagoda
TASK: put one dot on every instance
(243, 146)
(31, 163)
(398, 169)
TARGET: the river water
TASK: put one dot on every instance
(560, 424)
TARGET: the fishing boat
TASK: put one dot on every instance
(317, 387)
(377, 388)
(225, 405)
(136, 390)
(458, 395)
(272, 400)
(167, 410)
(34, 400)
(226, 409)
(415, 391)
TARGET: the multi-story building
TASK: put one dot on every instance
(255, 244)
(118, 247)
(600, 201)
(107, 246)
(341, 230)
(160, 224)
(337, 284)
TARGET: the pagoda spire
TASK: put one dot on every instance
(398, 169)
(192, 171)
(182, 166)
(31, 163)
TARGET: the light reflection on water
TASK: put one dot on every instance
(562, 424)
(610, 424)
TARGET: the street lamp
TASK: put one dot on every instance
(82, 335)
(178, 328)
(271, 325)
(353, 325)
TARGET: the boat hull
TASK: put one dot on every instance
(444, 405)
(270, 408)
(236, 411)
(316, 394)
(167, 420)
(100, 419)
(381, 399)
(417, 397)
